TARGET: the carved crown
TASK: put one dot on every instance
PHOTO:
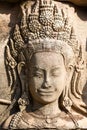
(46, 22)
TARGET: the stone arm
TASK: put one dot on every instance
(7, 122)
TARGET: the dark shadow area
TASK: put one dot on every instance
(86, 44)
(81, 11)
(11, 9)
(11, 1)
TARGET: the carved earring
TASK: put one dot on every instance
(67, 103)
(23, 101)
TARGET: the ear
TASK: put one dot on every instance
(69, 75)
(70, 72)
(22, 74)
(67, 103)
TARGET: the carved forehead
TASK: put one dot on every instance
(46, 59)
(50, 45)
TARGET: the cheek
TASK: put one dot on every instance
(59, 82)
(35, 82)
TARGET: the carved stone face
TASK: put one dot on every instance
(47, 76)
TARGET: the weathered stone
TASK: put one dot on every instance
(28, 55)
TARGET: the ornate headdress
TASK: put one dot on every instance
(38, 28)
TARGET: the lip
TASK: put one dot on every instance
(45, 92)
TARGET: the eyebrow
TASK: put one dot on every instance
(56, 67)
(37, 67)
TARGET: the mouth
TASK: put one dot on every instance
(45, 92)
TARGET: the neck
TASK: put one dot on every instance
(46, 110)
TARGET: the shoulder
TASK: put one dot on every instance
(12, 121)
(7, 122)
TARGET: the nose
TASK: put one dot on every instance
(47, 83)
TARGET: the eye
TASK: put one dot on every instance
(38, 74)
(55, 73)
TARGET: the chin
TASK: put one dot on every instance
(47, 99)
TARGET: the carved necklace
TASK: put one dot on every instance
(48, 119)
(51, 119)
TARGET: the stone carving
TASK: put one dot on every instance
(44, 61)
